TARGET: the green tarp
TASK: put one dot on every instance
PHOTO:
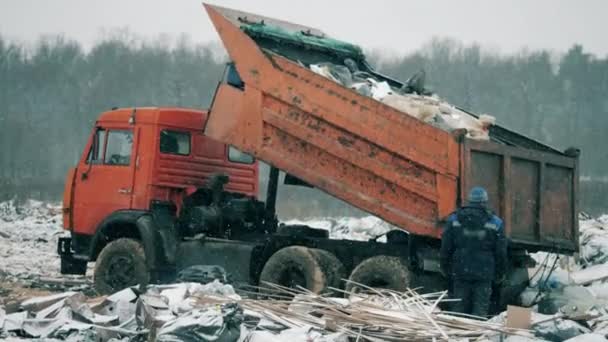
(282, 36)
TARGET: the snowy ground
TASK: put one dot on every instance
(29, 232)
(28, 239)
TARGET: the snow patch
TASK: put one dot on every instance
(28, 239)
(348, 228)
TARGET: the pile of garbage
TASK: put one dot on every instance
(593, 240)
(412, 99)
(214, 312)
(568, 296)
(586, 269)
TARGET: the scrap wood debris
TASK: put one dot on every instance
(380, 315)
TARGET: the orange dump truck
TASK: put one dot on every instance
(158, 191)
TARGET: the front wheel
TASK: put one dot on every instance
(121, 263)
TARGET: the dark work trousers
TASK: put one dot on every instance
(474, 296)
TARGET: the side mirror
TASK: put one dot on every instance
(92, 152)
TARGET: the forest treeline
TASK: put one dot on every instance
(51, 93)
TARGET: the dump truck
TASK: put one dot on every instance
(181, 191)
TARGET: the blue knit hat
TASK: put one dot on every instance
(478, 195)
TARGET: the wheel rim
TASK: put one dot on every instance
(121, 272)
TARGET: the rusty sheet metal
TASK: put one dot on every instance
(351, 146)
(534, 192)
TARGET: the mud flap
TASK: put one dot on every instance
(235, 257)
(160, 245)
(69, 264)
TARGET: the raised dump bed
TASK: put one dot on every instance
(373, 156)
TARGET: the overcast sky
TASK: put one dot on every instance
(396, 25)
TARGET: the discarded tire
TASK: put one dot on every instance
(300, 266)
(121, 263)
(382, 272)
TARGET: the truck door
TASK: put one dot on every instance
(104, 180)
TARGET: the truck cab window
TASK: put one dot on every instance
(237, 156)
(118, 149)
(174, 142)
(96, 151)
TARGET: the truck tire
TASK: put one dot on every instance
(380, 272)
(121, 263)
(332, 268)
(300, 266)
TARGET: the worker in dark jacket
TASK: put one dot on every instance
(474, 253)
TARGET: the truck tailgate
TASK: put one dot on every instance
(533, 191)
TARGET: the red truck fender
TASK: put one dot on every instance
(159, 242)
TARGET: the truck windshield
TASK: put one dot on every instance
(174, 142)
(237, 156)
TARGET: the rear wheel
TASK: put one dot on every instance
(312, 269)
(332, 268)
(380, 272)
(121, 263)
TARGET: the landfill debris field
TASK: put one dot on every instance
(567, 298)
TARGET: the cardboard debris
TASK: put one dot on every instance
(518, 317)
(52, 311)
(14, 321)
(37, 304)
(127, 295)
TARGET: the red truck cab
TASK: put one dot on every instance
(137, 158)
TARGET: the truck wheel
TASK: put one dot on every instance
(380, 272)
(332, 268)
(298, 266)
(122, 263)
